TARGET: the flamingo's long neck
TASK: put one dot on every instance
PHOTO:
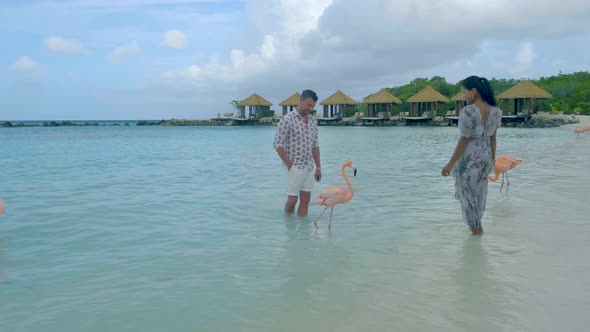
(494, 179)
(350, 192)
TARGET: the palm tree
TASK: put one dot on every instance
(236, 105)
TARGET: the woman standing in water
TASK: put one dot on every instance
(475, 153)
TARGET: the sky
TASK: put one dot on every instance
(188, 59)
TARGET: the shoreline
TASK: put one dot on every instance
(584, 121)
(572, 122)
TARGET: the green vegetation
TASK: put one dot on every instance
(571, 92)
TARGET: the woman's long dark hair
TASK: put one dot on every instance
(483, 87)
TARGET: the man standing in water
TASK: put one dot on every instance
(296, 142)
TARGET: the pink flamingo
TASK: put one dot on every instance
(1, 207)
(503, 165)
(334, 195)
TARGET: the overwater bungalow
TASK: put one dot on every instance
(335, 107)
(379, 107)
(523, 97)
(290, 103)
(460, 102)
(424, 104)
(256, 105)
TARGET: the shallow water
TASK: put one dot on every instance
(181, 229)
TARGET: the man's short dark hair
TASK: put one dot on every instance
(306, 94)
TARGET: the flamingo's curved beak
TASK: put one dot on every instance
(354, 173)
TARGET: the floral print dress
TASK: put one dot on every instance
(472, 169)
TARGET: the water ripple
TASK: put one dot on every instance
(165, 229)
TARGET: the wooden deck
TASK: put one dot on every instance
(325, 121)
(245, 122)
(416, 120)
(374, 121)
(454, 120)
(515, 118)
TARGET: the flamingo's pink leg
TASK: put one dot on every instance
(315, 223)
(508, 185)
(330, 224)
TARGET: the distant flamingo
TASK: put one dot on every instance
(334, 195)
(503, 165)
(1, 207)
(582, 130)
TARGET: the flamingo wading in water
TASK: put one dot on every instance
(334, 195)
(503, 165)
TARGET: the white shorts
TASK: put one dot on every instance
(299, 180)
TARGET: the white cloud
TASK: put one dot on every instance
(344, 44)
(297, 19)
(239, 68)
(344, 39)
(62, 45)
(174, 39)
(24, 63)
(277, 47)
(124, 52)
(268, 49)
(28, 71)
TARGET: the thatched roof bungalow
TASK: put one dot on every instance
(460, 102)
(255, 104)
(524, 96)
(336, 105)
(380, 104)
(290, 103)
(426, 102)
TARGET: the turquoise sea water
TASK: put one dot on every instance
(181, 229)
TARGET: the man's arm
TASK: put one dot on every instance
(315, 151)
(280, 141)
(316, 156)
(284, 157)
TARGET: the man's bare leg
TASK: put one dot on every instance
(305, 197)
(290, 205)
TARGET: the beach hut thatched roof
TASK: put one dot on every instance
(338, 98)
(382, 97)
(428, 95)
(458, 97)
(255, 100)
(525, 89)
(291, 101)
